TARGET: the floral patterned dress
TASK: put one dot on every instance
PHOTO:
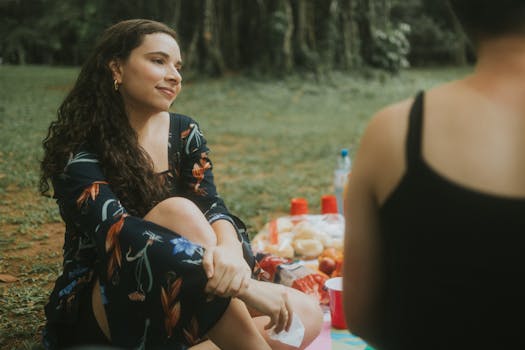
(152, 280)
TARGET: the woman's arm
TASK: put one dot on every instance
(225, 265)
(228, 272)
(378, 166)
(361, 247)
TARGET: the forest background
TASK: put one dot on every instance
(272, 37)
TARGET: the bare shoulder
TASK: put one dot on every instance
(391, 119)
(381, 155)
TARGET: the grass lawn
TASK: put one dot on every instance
(271, 140)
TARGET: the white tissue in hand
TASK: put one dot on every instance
(293, 337)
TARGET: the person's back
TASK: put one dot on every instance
(435, 229)
(451, 239)
(471, 137)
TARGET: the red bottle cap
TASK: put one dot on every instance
(328, 204)
(298, 206)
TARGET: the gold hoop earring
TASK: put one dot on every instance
(115, 85)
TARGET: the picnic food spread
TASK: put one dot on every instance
(303, 236)
(301, 251)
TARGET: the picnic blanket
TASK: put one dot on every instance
(336, 339)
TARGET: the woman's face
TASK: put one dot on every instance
(149, 79)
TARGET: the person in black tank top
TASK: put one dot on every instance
(435, 224)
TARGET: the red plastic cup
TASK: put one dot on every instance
(298, 206)
(335, 291)
(328, 204)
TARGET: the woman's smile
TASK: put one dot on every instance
(169, 92)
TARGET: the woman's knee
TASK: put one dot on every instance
(184, 217)
(174, 206)
(308, 310)
(317, 318)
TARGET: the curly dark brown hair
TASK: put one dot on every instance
(92, 116)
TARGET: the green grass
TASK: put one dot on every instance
(271, 140)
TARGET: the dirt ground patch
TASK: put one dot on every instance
(44, 244)
(31, 243)
(22, 307)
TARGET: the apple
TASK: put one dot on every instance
(327, 265)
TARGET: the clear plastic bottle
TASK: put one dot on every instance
(342, 170)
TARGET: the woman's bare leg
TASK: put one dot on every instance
(306, 308)
(98, 309)
(236, 329)
(184, 217)
(205, 345)
(177, 214)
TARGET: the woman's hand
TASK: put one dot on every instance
(227, 271)
(271, 300)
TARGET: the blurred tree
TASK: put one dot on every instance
(305, 55)
(74, 25)
(382, 18)
(350, 39)
(435, 36)
(20, 30)
(364, 19)
(280, 30)
(218, 36)
(327, 35)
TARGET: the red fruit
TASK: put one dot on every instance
(338, 272)
(327, 265)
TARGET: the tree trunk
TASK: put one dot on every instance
(214, 63)
(287, 40)
(21, 52)
(175, 18)
(301, 26)
(460, 52)
(349, 35)
(234, 28)
(331, 37)
(191, 59)
(311, 28)
(364, 21)
(382, 14)
(305, 55)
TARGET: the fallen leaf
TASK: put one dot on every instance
(7, 278)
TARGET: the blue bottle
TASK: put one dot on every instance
(341, 172)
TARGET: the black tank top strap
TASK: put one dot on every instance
(415, 132)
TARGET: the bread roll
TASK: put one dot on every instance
(308, 248)
(283, 249)
(284, 224)
(305, 230)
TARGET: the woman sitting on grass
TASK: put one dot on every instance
(435, 236)
(152, 257)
